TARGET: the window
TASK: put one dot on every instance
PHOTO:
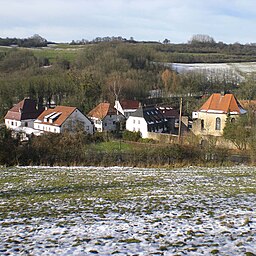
(138, 121)
(26, 124)
(134, 121)
(233, 120)
(12, 123)
(218, 124)
(202, 124)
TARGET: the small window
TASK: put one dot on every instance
(233, 120)
(12, 123)
(202, 124)
(26, 124)
(138, 121)
(134, 121)
(218, 124)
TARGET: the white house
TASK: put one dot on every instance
(22, 115)
(147, 119)
(126, 107)
(63, 118)
(105, 117)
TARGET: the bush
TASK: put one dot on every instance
(131, 136)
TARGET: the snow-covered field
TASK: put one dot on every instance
(242, 67)
(222, 71)
(128, 211)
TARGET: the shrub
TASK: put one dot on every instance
(131, 136)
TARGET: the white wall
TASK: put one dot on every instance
(12, 124)
(97, 124)
(77, 118)
(137, 124)
(46, 127)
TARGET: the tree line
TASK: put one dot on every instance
(71, 149)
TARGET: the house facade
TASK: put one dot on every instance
(105, 117)
(147, 119)
(63, 118)
(22, 115)
(172, 116)
(126, 107)
(210, 119)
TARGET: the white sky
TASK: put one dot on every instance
(177, 20)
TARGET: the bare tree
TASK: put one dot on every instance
(201, 38)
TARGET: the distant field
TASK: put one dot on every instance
(241, 67)
(54, 54)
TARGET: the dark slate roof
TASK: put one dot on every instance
(151, 114)
(25, 109)
(169, 112)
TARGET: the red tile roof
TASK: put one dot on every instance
(222, 103)
(25, 109)
(64, 113)
(130, 104)
(102, 110)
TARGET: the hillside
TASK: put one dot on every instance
(84, 74)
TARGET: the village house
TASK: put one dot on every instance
(22, 114)
(62, 118)
(172, 116)
(147, 119)
(20, 118)
(126, 107)
(105, 117)
(210, 119)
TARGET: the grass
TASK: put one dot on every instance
(174, 209)
(111, 146)
(23, 190)
(54, 54)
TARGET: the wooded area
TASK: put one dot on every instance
(84, 75)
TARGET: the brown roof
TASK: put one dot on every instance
(169, 112)
(222, 103)
(102, 110)
(59, 114)
(25, 109)
(248, 104)
(129, 104)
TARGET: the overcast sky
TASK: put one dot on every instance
(228, 21)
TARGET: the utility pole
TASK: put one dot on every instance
(180, 116)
